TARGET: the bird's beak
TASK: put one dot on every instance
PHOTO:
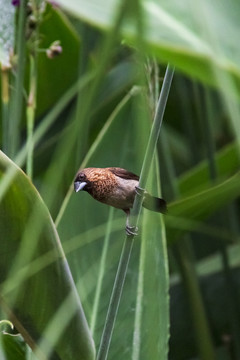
(79, 185)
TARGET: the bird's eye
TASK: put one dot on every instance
(81, 177)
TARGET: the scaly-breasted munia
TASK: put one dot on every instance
(115, 187)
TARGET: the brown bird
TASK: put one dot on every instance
(115, 187)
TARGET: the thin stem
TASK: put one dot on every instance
(139, 303)
(115, 298)
(31, 106)
(17, 95)
(157, 123)
(5, 106)
(129, 239)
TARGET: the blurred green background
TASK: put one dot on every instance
(93, 106)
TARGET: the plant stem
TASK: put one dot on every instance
(17, 94)
(5, 107)
(129, 239)
(156, 126)
(157, 122)
(115, 298)
(31, 114)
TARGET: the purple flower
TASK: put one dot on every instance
(15, 2)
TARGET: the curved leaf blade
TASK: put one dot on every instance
(33, 298)
(151, 330)
(201, 205)
(198, 178)
(201, 47)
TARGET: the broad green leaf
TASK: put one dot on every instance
(203, 46)
(117, 146)
(151, 330)
(36, 286)
(58, 74)
(201, 205)
(13, 347)
(198, 178)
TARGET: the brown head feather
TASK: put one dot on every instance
(100, 182)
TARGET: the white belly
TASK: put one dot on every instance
(123, 195)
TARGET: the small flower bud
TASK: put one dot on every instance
(15, 2)
(54, 50)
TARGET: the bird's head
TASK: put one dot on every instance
(96, 181)
(81, 182)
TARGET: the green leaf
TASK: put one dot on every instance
(37, 289)
(198, 178)
(151, 331)
(58, 74)
(200, 206)
(13, 346)
(205, 47)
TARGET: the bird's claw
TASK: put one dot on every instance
(140, 191)
(131, 230)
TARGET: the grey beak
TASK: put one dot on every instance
(79, 185)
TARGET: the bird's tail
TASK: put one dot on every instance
(154, 204)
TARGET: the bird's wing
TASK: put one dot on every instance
(124, 174)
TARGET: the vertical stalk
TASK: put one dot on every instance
(153, 137)
(5, 107)
(31, 103)
(129, 239)
(30, 118)
(115, 299)
(31, 106)
(17, 94)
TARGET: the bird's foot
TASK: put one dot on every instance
(140, 191)
(131, 230)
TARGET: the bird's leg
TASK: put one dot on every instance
(133, 230)
(130, 230)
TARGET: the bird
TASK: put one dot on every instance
(116, 187)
